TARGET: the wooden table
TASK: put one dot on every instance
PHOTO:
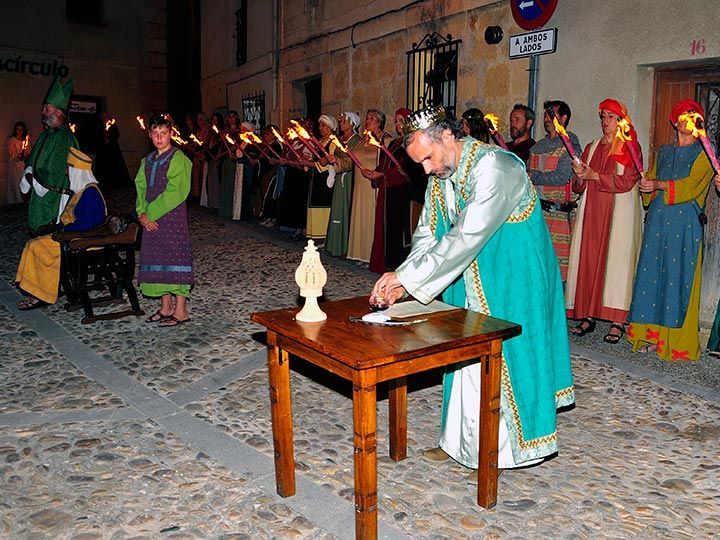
(368, 354)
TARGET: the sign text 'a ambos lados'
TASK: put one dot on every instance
(539, 42)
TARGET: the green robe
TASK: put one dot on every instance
(49, 162)
(336, 239)
(483, 244)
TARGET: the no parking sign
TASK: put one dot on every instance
(532, 14)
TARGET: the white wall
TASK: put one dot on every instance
(611, 48)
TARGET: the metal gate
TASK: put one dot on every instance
(432, 66)
(708, 95)
(253, 109)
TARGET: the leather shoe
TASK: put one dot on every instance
(435, 454)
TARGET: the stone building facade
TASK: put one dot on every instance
(115, 56)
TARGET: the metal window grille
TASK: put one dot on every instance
(241, 34)
(253, 109)
(708, 95)
(432, 66)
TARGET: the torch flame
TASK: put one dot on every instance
(72, 127)
(26, 142)
(215, 129)
(229, 139)
(623, 130)
(301, 131)
(692, 120)
(277, 136)
(492, 122)
(337, 143)
(140, 121)
(178, 139)
(245, 138)
(292, 134)
(559, 128)
(371, 138)
(193, 138)
(254, 137)
(109, 123)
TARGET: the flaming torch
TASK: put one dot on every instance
(229, 139)
(292, 135)
(141, 121)
(215, 129)
(258, 141)
(193, 138)
(624, 133)
(560, 130)
(304, 137)
(345, 149)
(492, 121)
(25, 143)
(109, 123)
(372, 140)
(72, 127)
(247, 139)
(694, 121)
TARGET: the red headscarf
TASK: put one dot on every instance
(683, 106)
(402, 111)
(618, 148)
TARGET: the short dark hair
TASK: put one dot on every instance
(159, 120)
(563, 109)
(527, 111)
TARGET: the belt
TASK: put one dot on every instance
(552, 206)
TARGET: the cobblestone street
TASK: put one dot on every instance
(122, 429)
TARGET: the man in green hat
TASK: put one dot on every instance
(46, 173)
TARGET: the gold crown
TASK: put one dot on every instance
(424, 119)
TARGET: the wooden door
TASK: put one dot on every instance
(702, 85)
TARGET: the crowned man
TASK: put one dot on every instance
(46, 174)
(482, 244)
(38, 274)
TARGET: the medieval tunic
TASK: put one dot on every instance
(606, 238)
(319, 198)
(482, 242)
(15, 170)
(48, 160)
(38, 273)
(362, 213)
(550, 169)
(336, 241)
(391, 242)
(163, 184)
(666, 298)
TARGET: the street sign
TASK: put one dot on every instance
(540, 42)
(532, 14)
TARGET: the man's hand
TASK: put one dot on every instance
(389, 288)
(147, 224)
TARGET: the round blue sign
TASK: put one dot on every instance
(532, 14)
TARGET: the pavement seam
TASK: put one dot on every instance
(61, 417)
(310, 500)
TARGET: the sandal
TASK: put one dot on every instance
(586, 326)
(611, 338)
(173, 321)
(30, 303)
(157, 317)
(650, 347)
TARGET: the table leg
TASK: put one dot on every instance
(281, 413)
(489, 426)
(398, 418)
(365, 441)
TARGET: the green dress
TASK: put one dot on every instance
(483, 244)
(336, 240)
